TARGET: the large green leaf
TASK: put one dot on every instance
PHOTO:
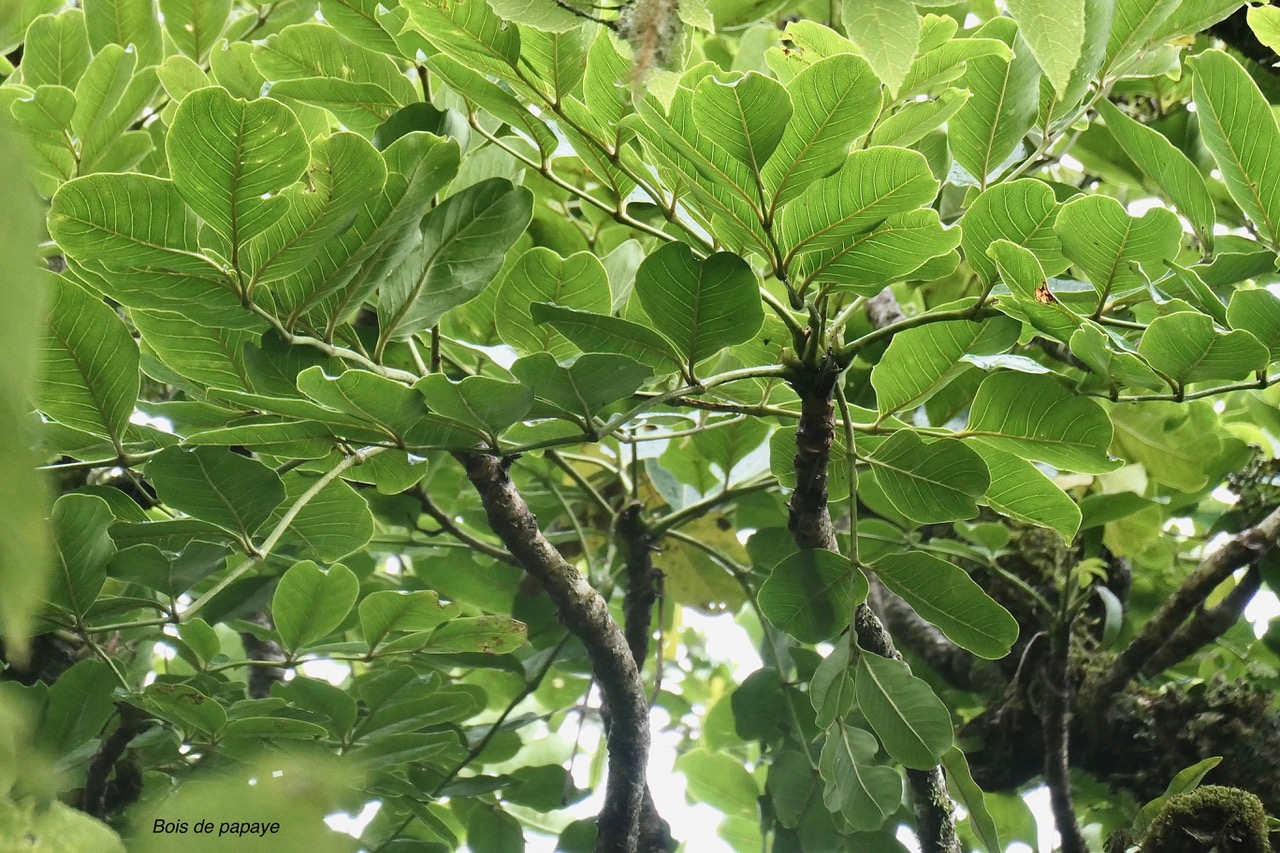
(346, 172)
(887, 33)
(1258, 313)
(470, 31)
(1177, 443)
(1022, 212)
(893, 251)
(383, 403)
(231, 159)
(1136, 24)
(125, 22)
(1006, 96)
(1239, 128)
(929, 483)
(910, 720)
(1020, 490)
(1054, 30)
(746, 116)
(310, 602)
(967, 793)
(490, 635)
(863, 792)
(540, 275)
(213, 484)
(836, 100)
(702, 306)
(1105, 242)
(90, 368)
(110, 98)
(947, 597)
(591, 332)
(1112, 358)
(194, 25)
(872, 185)
(388, 611)
(831, 688)
(1265, 23)
(485, 404)
(720, 781)
(336, 521)
(1167, 166)
(127, 222)
(464, 242)
(584, 387)
(80, 526)
(811, 594)
(921, 361)
(1186, 347)
(1035, 417)
(56, 51)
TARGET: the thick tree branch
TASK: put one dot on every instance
(261, 678)
(1205, 625)
(132, 723)
(1240, 550)
(584, 612)
(810, 524)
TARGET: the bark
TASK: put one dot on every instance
(1238, 551)
(586, 614)
(810, 524)
(261, 678)
(94, 799)
(637, 610)
(1056, 727)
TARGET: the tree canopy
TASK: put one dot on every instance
(396, 396)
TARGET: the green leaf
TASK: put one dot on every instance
(185, 706)
(1177, 443)
(1036, 418)
(702, 306)
(124, 23)
(863, 792)
(382, 403)
(470, 31)
(127, 222)
(1022, 212)
(811, 594)
(895, 250)
(345, 173)
(967, 792)
(947, 597)
(1055, 32)
(831, 688)
(872, 185)
(909, 719)
(591, 332)
(194, 25)
(836, 100)
(56, 51)
(485, 404)
(493, 635)
(540, 275)
(58, 827)
(231, 159)
(464, 242)
(1186, 347)
(583, 388)
(1105, 242)
(921, 361)
(387, 610)
(745, 116)
(1166, 165)
(1240, 130)
(917, 119)
(334, 523)
(1020, 490)
(1112, 358)
(719, 780)
(887, 33)
(215, 485)
(45, 120)
(80, 703)
(1258, 313)
(109, 98)
(492, 830)
(929, 483)
(1188, 284)
(84, 547)
(90, 372)
(1006, 97)
(16, 17)
(310, 603)
(1265, 23)
(1136, 24)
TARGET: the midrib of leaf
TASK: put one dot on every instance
(140, 242)
(1115, 265)
(786, 176)
(991, 134)
(235, 183)
(937, 484)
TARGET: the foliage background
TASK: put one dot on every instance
(342, 295)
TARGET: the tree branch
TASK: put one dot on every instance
(1056, 727)
(1205, 625)
(1240, 550)
(585, 613)
(132, 723)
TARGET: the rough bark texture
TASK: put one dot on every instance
(810, 524)
(585, 613)
(1056, 726)
(637, 610)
